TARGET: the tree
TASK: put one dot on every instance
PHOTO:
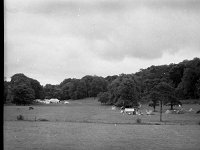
(176, 73)
(8, 95)
(129, 92)
(103, 97)
(81, 89)
(64, 82)
(186, 89)
(113, 89)
(97, 85)
(110, 78)
(164, 91)
(65, 91)
(154, 96)
(38, 89)
(124, 91)
(188, 82)
(23, 94)
(49, 91)
(5, 91)
(88, 80)
(21, 79)
(52, 91)
(198, 87)
(76, 89)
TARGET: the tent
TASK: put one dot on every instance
(66, 102)
(54, 100)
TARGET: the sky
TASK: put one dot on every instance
(51, 40)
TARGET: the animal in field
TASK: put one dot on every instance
(31, 108)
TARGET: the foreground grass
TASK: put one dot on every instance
(89, 136)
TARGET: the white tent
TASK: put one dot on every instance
(46, 102)
(53, 100)
(66, 102)
(113, 107)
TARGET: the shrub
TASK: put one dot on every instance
(42, 119)
(138, 120)
(20, 117)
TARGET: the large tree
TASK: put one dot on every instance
(97, 85)
(165, 92)
(38, 89)
(176, 74)
(124, 91)
(187, 85)
(20, 79)
(154, 96)
(52, 91)
(103, 97)
(88, 80)
(23, 94)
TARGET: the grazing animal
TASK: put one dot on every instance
(30, 108)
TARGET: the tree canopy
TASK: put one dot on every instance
(181, 81)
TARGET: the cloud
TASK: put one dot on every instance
(75, 38)
(88, 6)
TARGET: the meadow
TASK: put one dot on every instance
(86, 124)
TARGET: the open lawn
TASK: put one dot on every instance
(86, 124)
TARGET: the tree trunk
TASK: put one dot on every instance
(171, 106)
(154, 108)
(161, 110)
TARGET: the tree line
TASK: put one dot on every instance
(171, 83)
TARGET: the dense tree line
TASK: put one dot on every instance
(168, 82)
(177, 81)
(23, 90)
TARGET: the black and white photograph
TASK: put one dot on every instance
(101, 75)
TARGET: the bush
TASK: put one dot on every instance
(42, 119)
(20, 117)
(138, 120)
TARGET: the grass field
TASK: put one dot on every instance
(86, 124)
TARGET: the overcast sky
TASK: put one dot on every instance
(51, 40)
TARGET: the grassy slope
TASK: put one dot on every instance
(88, 110)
